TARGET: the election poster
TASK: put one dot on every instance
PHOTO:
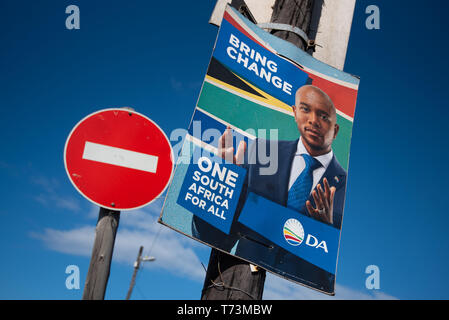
(262, 171)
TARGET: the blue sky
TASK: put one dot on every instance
(153, 57)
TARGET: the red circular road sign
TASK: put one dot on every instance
(118, 159)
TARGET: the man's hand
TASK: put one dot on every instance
(226, 148)
(324, 202)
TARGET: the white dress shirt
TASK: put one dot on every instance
(299, 165)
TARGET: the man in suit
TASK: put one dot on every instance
(316, 119)
(308, 179)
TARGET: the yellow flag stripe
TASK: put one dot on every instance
(266, 99)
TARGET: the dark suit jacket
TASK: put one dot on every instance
(275, 187)
(249, 245)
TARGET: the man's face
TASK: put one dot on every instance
(316, 120)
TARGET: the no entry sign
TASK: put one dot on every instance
(118, 159)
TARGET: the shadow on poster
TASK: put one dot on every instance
(262, 172)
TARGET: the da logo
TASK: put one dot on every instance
(294, 235)
(293, 232)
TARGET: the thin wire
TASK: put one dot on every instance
(142, 265)
(155, 239)
(203, 267)
(222, 285)
(152, 244)
(140, 292)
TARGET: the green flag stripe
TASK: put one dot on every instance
(246, 114)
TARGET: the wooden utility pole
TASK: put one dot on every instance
(296, 13)
(230, 278)
(227, 277)
(136, 268)
(100, 262)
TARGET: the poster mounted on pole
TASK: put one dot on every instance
(262, 172)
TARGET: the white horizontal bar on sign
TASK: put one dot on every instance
(120, 157)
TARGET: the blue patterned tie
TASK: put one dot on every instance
(300, 190)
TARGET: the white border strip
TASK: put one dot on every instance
(244, 133)
(344, 115)
(201, 144)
